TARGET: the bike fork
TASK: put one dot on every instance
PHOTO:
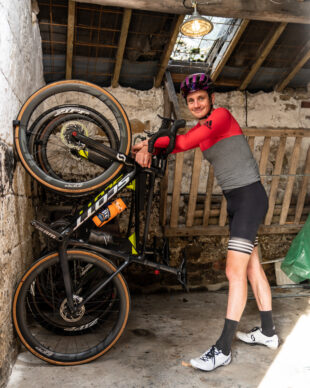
(64, 265)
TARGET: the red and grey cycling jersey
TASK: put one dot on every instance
(223, 144)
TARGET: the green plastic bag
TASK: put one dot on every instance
(296, 264)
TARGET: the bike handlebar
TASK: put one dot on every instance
(170, 132)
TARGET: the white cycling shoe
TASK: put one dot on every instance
(255, 336)
(211, 359)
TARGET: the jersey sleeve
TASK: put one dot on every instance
(184, 142)
(202, 136)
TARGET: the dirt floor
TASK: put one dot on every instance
(166, 330)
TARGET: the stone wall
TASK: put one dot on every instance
(20, 75)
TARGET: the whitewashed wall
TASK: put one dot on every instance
(20, 75)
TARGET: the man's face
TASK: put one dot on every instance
(199, 103)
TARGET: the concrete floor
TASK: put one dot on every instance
(166, 330)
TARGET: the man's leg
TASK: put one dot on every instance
(259, 282)
(236, 272)
(220, 353)
(262, 292)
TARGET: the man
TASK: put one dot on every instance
(222, 142)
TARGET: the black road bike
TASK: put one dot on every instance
(72, 305)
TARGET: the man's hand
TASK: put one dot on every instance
(140, 153)
(137, 147)
(143, 157)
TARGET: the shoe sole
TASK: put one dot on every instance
(258, 343)
(210, 370)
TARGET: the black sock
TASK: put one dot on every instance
(225, 340)
(268, 327)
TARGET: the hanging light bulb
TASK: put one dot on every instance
(196, 25)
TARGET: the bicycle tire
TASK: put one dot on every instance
(74, 349)
(37, 101)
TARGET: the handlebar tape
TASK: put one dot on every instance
(171, 133)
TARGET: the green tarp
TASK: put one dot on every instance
(296, 264)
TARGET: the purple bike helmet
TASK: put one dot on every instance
(197, 81)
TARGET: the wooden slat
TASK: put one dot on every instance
(293, 132)
(223, 212)
(207, 204)
(70, 38)
(163, 198)
(215, 230)
(179, 77)
(264, 157)
(176, 189)
(303, 189)
(164, 180)
(276, 212)
(275, 180)
(230, 49)
(194, 187)
(167, 52)
(251, 142)
(265, 49)
(290, 180)
(121, 46)
(297, 64)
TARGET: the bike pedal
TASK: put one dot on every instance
(46, 230)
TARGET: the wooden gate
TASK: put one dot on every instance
(283, 156)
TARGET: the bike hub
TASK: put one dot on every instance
(69, 316)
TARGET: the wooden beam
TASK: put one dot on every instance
(298, 63)
(179, 77)
(167, 52)
(265, 49)
(214, 230)
(121, 46)
(172, 95)
(291, 12)
(70, 38)
(230, 49)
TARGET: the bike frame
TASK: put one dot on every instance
(143, 256)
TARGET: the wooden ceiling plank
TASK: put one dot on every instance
(179, 77)
(300, 60)
(230, 49)
(266, 48)
(168, 50)
(121, 46)
(70, 38)
(291, 12)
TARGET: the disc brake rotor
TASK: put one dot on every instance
(66, 134)
(65, 311)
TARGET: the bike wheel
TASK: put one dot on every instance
(43, 321)
(96, 125)
(68, 161)
(63, 98)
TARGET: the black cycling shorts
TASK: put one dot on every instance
(246, 208)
